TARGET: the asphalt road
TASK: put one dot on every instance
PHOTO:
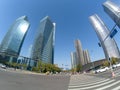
(19, 81)
(13, 80)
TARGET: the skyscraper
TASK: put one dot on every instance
(13, 40)
(43, 47)
(86, 56)
(113, 10)
(79, 52)
(73, 60)
(109, 45)
(30, 51)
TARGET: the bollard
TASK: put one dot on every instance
(113, 74)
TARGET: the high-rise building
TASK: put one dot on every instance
(73, 59)
(13, 40)
(86, 56)
(113, 10)
(43, 47)
(108, 44)
(30, 51)
(79, 52)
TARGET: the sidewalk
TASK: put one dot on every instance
(22, 71)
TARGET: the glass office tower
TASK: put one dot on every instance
(113, 10)
(43, 47)
(13, 40)
(109, 45)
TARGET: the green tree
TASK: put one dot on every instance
(45, 67)
(114, 60)
(79, 68)
(73, 70)
(48, 67)
(106, 63)
(9, 64)
(55, 69)
(24, 66)
(39, 65)
(35, 69)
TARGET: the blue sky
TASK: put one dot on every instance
(71, 18)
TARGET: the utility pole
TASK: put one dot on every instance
(111, 35)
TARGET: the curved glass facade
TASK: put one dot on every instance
(14, 38)
(43, 47)
(113, 10)
(109, 45)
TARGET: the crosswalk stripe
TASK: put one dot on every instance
(94, 85)
(85, 81)
(94, 82)
(90, 84)
(108, 86)
(117, 88)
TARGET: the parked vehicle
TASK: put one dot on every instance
(116, 65)
(102, 69)
(2, 66)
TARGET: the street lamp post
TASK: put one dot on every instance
(109, 60)
(111, 34)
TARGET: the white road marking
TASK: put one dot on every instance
(110, 85)
(92, 86)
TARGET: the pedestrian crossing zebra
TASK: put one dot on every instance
(88, 82)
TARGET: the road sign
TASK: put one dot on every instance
(99, 44)
(112, 34)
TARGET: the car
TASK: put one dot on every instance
(116, 65)
(107, 68)
(102, 69)
(3, 66)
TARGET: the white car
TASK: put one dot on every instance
(102, 69)
(2, 66)
(116, 65)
